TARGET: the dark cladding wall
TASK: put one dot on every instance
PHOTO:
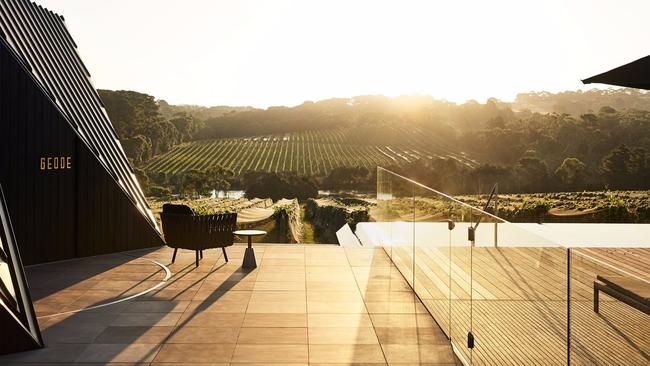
(65, 208)
(42, 41)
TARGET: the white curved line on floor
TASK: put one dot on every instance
(168, 275)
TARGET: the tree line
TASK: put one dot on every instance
(580, 102)
(622, 168)
(522, 149)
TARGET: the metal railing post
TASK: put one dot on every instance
(496, 213)
(568, 307)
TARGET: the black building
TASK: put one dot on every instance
(69, 187)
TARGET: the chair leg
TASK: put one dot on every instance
(197, 258)
(174, 255)
(596, 298)
(225, 256)
(201, 254)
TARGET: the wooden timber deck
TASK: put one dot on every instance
(518, 308)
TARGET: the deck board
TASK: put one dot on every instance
(518, 312)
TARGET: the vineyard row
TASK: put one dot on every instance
(307, 153)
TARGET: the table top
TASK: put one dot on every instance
(249, 232)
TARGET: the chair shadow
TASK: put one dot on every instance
(42, 281)
(80, 329)
(226, 285)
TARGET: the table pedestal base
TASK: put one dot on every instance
(249, 259)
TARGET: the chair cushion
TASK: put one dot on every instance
(628, 286)
(177, 209)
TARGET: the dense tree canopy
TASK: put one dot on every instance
(144, 132)
(581, 102)
(349, 178)
(195, 183)
(278, 186)
(572, 172)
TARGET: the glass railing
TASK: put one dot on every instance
(502, 294)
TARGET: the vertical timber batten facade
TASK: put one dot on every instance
(69, 186)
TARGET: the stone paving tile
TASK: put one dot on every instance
(342, 335)
(423, 353)
(391, 296)
(186, 364)
(274, 335)
(147, 319)
(209, 319)
(332, 286)
(339, 320)
(287, 307)
(136, 352)
(156, 306)
(330, 277)
(275, 320)
(85, 317)
(268, 364)
(270, 353)
(170, 294)
(397, 335)
(222, 295)
(315, 305)
(279, 286)
(86, 302)
(229, 285)
(391, 307)
(336, 307)
(339, 296)
(279, 296)
(403, 320)
(199, 335)
(281, 269)
(134, 334)
(195, 353)
(218, 306)
(349, 364)
(72, 332)
(57, 353)
(280, 276)
(282, 262)
(358, 353)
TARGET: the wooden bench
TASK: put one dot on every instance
(631, 291)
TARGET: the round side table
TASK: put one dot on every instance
(249, 254)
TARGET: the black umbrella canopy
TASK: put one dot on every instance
(636, 74)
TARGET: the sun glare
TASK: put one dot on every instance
(285, 52)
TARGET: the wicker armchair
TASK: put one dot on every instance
(186, 230)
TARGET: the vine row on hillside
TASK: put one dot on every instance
(306, 153)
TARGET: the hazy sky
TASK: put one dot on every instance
(265, 52)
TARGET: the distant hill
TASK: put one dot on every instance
(196, 111)
(579, 102)
(368, 110)
(542, 142)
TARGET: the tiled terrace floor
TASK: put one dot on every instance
(304, 304)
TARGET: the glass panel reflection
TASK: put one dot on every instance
(505, 295)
